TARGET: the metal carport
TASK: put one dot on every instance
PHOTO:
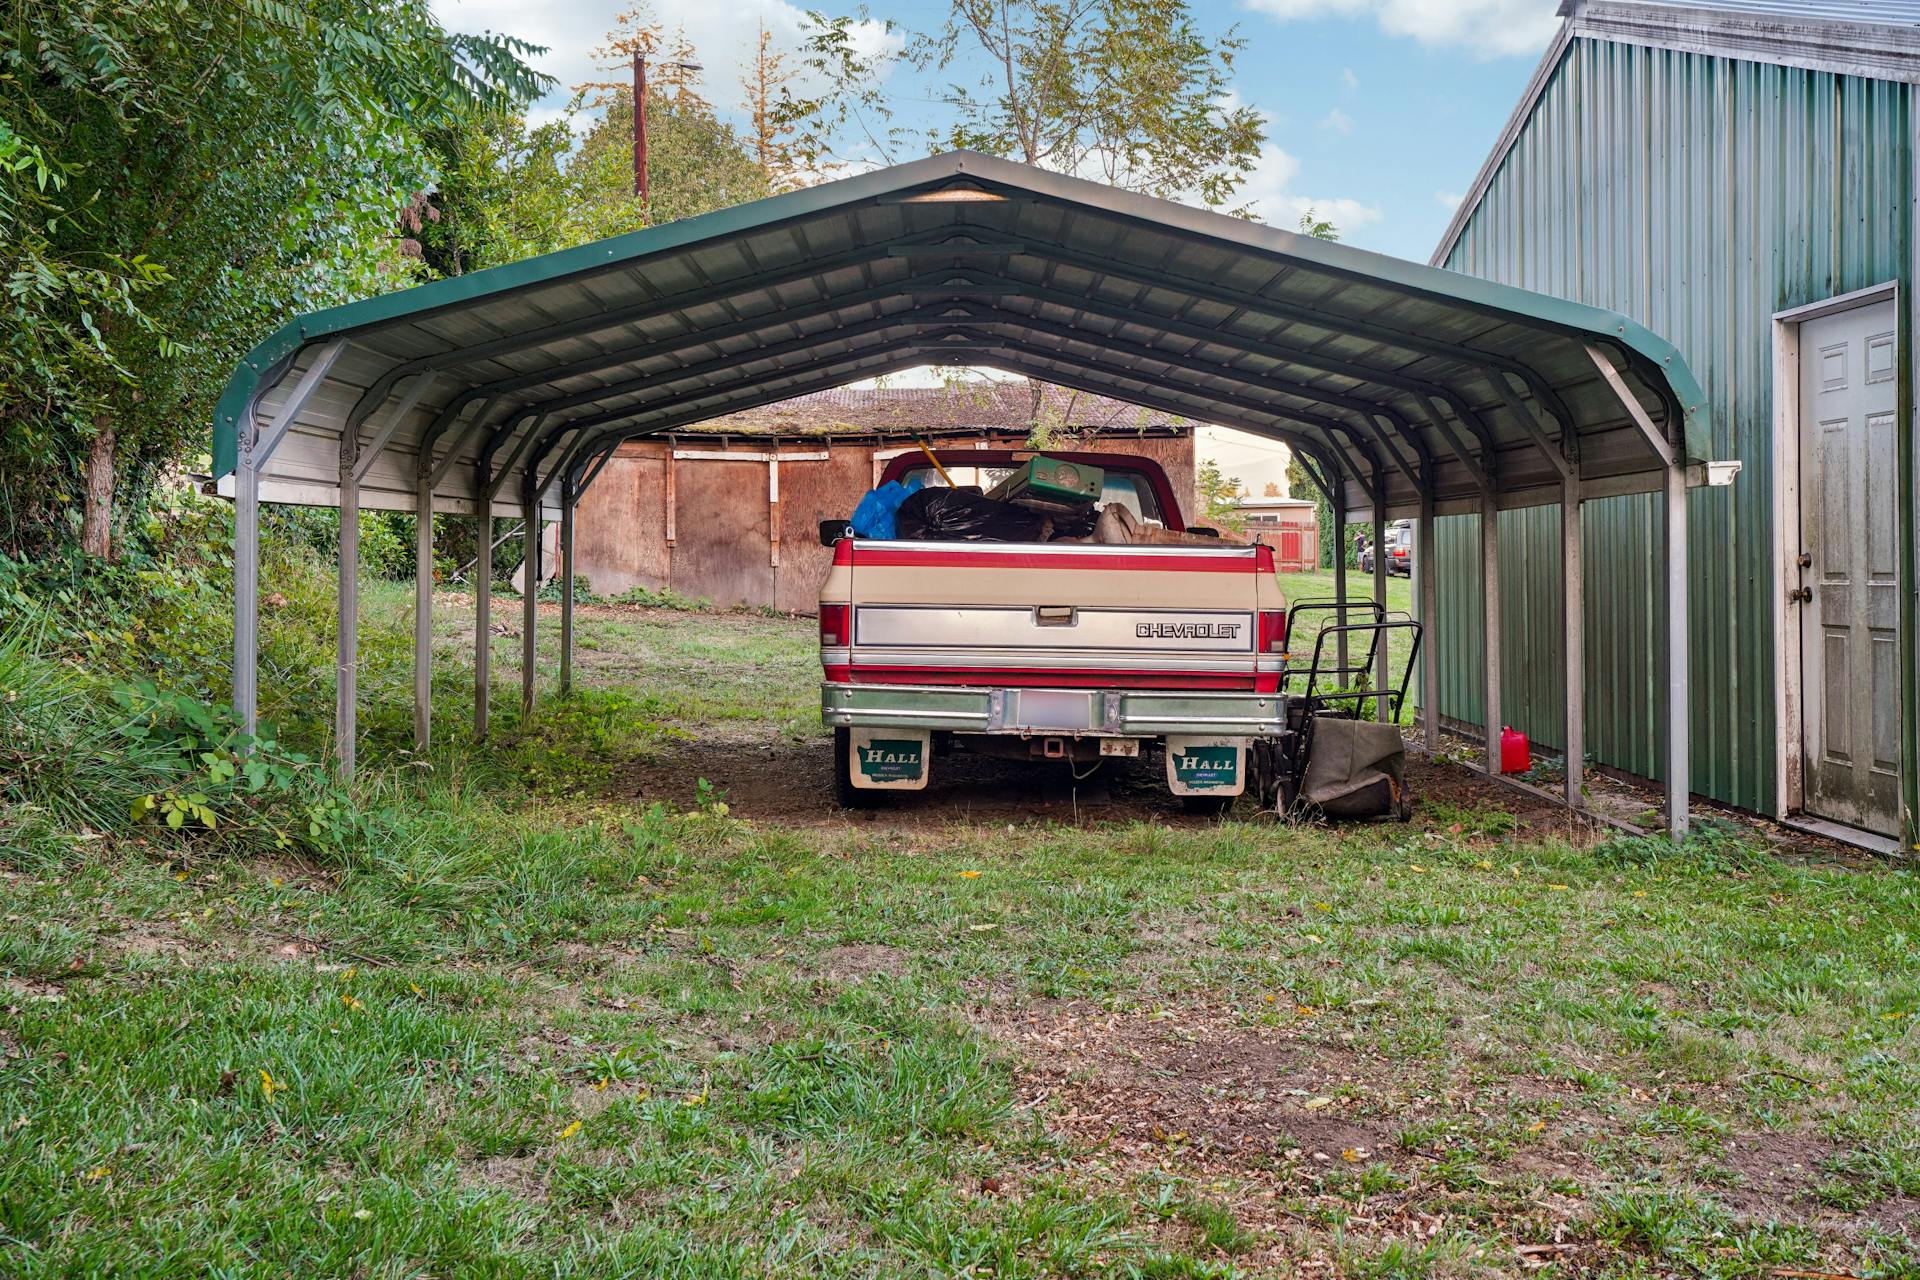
(1413, 391)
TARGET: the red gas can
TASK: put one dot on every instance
(1516, 755)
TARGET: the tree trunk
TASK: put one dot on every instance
(96, 528)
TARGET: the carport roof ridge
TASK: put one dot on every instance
(1406, 377)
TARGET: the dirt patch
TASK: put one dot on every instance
(1276, 1123)
(856, 962)
(1435, 782)
(139, 940)
(285, 872)
(775, 778)
(1774, 1167)
(1137, 1084)
(780, 780)
(592, 956)
(523, 1176)
(1272, 1116)
(30, 990)
(589, 1100)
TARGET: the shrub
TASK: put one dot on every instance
(665, 598)
(1711, 845)
(83, 756)
(64, 766)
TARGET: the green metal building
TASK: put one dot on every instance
(1738, 176)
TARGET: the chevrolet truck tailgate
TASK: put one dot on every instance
(1058, 615)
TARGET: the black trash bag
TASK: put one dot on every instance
(1076, 525)
(965, 515)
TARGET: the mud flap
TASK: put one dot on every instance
(1206, 766)
(889, 759)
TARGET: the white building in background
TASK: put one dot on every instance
(1259, 464)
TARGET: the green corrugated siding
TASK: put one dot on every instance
(1699, 196)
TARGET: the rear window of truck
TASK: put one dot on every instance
(1130, 491)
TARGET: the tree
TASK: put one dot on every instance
(199, 171)
(1129, 92)
(637, 33)
(772, 136)
(696, 162)
(1220, 497)
(1312, 224)
(504, 194)
(848, 118)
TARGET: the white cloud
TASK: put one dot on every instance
(1269, 193)
(1350, 80)
(1337, 121)
(1448, 200)
(1489, 28)
(723, 36)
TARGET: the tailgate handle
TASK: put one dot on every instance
(1054, 615)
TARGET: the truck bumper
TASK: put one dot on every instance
(1124, 713)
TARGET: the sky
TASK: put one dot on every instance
(1379, 112)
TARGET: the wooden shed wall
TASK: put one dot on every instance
(722, 547)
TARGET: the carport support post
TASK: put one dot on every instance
(1380, 678)
(246, 583)
(1339, 497)
(1574, 635)
(530, 593)
(346, 658)
(1424, 564)
(566, 587)
(1490, 581)
(483, 612)
(1679, 781)
(423, 607)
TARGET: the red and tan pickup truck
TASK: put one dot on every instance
(1069, 650)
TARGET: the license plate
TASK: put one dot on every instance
(1053, 709)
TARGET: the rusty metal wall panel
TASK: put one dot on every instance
(809, 493)
(1698, 195)
(619, 530)
(722, 526)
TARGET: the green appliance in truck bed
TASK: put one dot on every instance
(1051, 484)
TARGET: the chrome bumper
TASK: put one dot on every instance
(1126, 713)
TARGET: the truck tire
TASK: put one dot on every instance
(845, 793)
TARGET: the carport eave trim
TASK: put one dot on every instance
(278, 351)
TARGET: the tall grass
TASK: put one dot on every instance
(68, 769)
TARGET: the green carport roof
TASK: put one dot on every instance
(1402, 376)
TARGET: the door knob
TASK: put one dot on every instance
(1800, 595)
(1806, 560)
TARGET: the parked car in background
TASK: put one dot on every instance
(1399, 551)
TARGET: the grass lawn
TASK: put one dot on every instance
(525, 1028)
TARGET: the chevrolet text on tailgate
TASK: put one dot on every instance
(1066, 614)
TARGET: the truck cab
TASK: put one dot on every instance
(1154, 640)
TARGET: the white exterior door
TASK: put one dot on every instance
(1849, 530)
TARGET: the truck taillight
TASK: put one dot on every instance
(834, 631)
(1273, 630)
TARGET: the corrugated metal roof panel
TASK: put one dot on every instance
(1399, 376)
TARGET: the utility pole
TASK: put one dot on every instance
(640, 116)
(640, 125)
